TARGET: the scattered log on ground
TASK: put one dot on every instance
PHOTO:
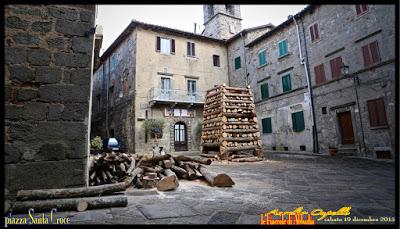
(42, 194)
(198, 160)
(167, 183)
(247, 159)
(179, 171)
(218, 180)
(70, 204)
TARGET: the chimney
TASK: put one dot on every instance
(195, 26)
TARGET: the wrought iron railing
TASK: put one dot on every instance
(170, 95)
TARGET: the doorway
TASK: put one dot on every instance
(180, 137)
(346, 128)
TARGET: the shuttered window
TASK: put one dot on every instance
(283, 48)
(335, 67)
(377, 113)
(360, 9)
(266, 125)
(262, 58)
(371, 54)
(264, 91)
(165, 45)
(298, 121)
(286, 83)
(191, 49)
(237, 63)
(319, 74)
(314, 32)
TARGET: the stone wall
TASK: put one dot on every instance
(351, 33)
(48, 59)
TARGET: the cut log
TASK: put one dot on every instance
(131, 166)
(169, 172)
(218, 180)
(156, 159)
(70, 204)
(179, 171)
(191, 173)
(247, 159)
(207, 155)
(198, 160)
(42, 194)
(82, 206)
(167, 164)
(167, 183)
(132, 176)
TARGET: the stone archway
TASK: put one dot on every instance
(183, 126)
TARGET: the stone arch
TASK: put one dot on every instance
(188, 132)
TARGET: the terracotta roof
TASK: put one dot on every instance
(135, 23)
(281, 26)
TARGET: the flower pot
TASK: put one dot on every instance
(332, 151)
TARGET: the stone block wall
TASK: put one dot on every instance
(48, 61)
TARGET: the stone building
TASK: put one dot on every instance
(304, 98)
(48, 66)
(352, 75)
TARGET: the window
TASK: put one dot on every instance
(191, 87)
(323, 110)
(98, 103)
(298, 121)
(319, 74)
(190, 49)
(216, 61)
(113, 61)
(181, 113)
(335, 67)
(165, 45)
(111, 95)
(360, 9)
(165, 88)
(283, 48)
(231, 28)
(264, 91)
(314, 32)
(266, 125)
(286, 83)
(237, 63)
(371, 54)
(377, 113)
(262, 58)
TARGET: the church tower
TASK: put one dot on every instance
(221, 21)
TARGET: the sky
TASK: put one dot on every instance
(115, 18)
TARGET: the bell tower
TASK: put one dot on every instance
(221, 21)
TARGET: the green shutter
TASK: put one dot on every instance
(286, 83)
(262, 58)
(237, 63)
(264, 91)
(266, 125)
(298, 121)
(283, 48)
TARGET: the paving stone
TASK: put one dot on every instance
(223, 217)
(160, 211)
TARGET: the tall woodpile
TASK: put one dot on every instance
(161, 171)
(230, 125)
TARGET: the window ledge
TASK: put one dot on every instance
(192, 58)
(283, 56)
(261, 66)
(379, 127)
(316, 41)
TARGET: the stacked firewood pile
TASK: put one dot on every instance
(230, 124)
(160, 171)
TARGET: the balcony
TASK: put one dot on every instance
(170, 96)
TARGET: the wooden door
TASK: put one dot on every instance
(180, 137)
(346, 127)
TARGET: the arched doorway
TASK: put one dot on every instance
(180, 136)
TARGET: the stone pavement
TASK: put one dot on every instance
(314, 182)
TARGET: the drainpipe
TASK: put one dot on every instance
(244, 58)
(107, 81)
(304, 62)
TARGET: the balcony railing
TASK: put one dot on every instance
(175, 96)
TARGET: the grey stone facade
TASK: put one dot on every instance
(221, 21)
(48, 54)
(334, 96)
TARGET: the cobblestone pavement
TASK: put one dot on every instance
(327, 183)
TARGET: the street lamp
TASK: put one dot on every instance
(344, 68)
